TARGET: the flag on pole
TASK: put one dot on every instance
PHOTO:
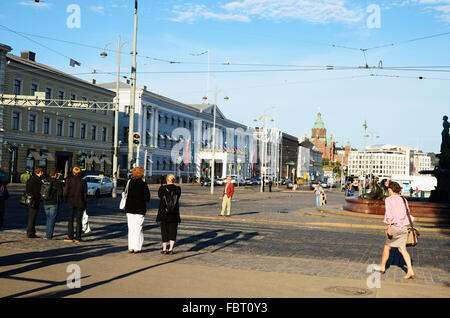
(74, 63)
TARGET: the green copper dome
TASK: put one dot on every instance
(319, 123)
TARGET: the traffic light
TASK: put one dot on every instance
(136, 139)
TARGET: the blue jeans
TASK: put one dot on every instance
(51, 211)
(318, 200)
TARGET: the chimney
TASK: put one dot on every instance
(93, 81)
(28, 55)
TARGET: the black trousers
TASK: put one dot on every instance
(32, 213)
(169, 231)
(78, 213)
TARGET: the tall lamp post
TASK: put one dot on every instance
(214, 139)
(133, 94)
(116, 116)
(264, 140)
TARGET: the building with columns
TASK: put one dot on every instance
(4, 49)
(176, 138)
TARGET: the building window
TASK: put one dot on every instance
(73, 96)
(104, 134)
(61, 96)
(125, 134)
(48, 92)
(18, 86)
(71, 129)
(83, 131)
(34, 88)
(32, 123)
(59, 127)
(46, 128)
(16, 117)
(94, 132)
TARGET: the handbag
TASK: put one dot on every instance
(413, 234)
(123, 201)
(27, 200)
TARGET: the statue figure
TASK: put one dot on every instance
(445, 145)
(376, 192)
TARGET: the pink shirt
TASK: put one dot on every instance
(396, 211)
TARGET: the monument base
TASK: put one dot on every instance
(418, 208)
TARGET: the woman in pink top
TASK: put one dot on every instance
(397, 228)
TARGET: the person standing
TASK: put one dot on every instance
(323, 197)
(169, 213)
(136, 208)
(52, 202)
(227, 195)
(4, 195)
(397, 222)
(318, 192)
(417, 192)
(75, 193)
(270, 185)
(33, 188)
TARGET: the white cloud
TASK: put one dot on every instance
(99, 9)
(190, 12)
(314, 11)
(38, 5)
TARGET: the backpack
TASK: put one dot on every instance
(4, 195)
(170, 198)
(46, 190)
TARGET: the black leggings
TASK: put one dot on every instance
(169, 231)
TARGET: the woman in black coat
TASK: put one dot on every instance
(169, 213)
(135, 208)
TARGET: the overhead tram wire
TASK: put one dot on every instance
(167, 61)
(55, 51)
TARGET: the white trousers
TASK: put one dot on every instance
(135, 232)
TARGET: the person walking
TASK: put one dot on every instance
(169, 213)
(323, 197)
(227, 194)
(75, 193)
(397, 222)
(270, 185)
(136, 208)
(4, 195)
(33, 188)
(52, 199)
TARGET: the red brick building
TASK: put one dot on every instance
(319, 138)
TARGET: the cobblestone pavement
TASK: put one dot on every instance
(267, 232)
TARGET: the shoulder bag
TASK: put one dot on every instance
(27, 200)
(413, 234)
(123, 201)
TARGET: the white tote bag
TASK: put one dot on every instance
(85, 223)
(123, 201)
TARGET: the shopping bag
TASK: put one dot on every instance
(85, 223)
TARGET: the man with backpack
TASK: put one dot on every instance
(169, 213)
(52, 194)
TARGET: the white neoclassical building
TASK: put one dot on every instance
(176, 138)
(385, 161)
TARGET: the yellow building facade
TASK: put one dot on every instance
(53, 137)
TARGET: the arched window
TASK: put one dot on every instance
(164, 165)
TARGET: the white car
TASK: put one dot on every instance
(98, 185)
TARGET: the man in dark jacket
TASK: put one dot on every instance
(52, 201)
(75, 193)
(33, 188)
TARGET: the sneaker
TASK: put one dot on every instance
(78, 241)
(169, 252)
(33, 236)
(68, 240)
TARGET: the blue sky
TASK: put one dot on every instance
(276, 35)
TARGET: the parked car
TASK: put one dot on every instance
(205, 182)
(313, 184)
(92, 173)
(220, 181)
(248, 181)
(98, 185)
(289, 183)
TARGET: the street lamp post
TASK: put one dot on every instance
(132, 95)
(214, 140)
(116, 117)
